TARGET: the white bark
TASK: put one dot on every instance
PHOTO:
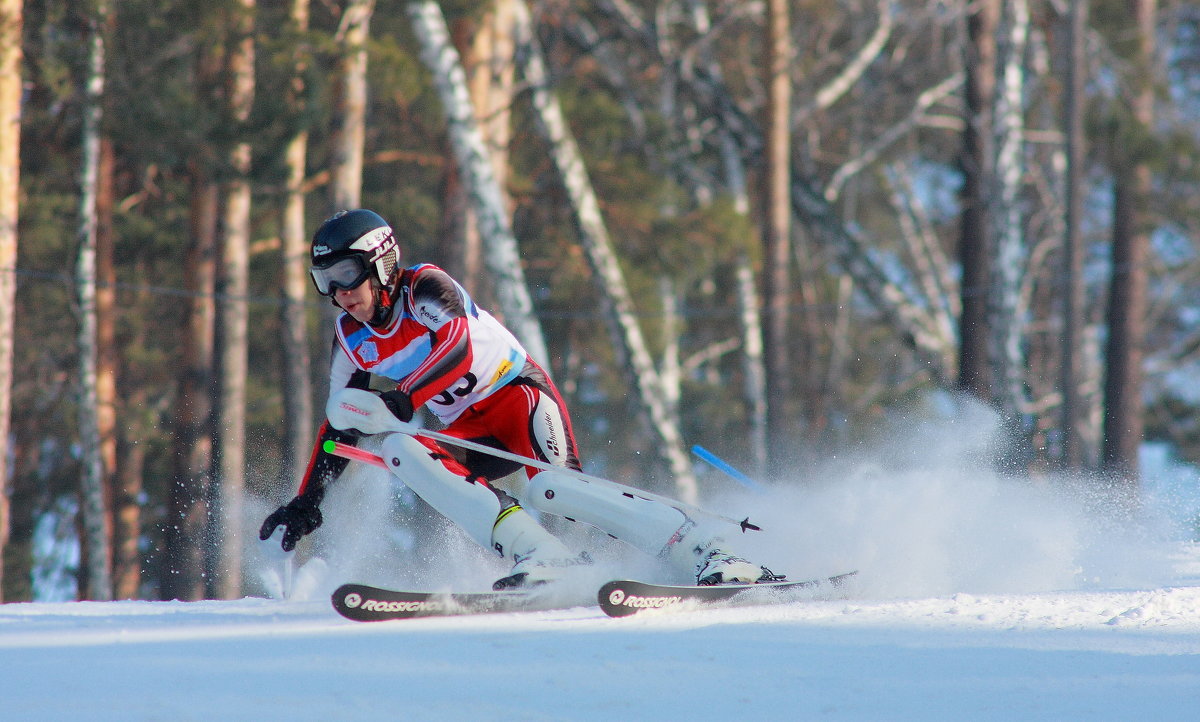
(1007, 311)
(614, 292)
(852, 71)
(96, 530)
(501, 255)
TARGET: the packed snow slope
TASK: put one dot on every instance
(980, 596)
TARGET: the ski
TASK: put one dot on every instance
(365, 603)
(623, 598)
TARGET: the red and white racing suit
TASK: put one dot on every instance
(465, 367)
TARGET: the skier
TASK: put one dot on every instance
(420, 329)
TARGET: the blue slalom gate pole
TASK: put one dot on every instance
(721, 465)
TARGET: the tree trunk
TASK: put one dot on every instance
(776, 230)
(1123, 422)
(975, 245)
(233, 318)
(755, 387)
(183, 564)
(1007, 221)
(491, 73)
(617, 304)
(96, 524)
(297, 377)
(123, 482)
(11, 22)
(500, 246)
(351, 105)
(1074, 322)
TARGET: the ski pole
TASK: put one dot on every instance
(354, 453)
(722, 465)
(363, 410)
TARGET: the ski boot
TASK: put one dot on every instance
(721, 567)
(538, 556)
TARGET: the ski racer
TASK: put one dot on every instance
(420, 329)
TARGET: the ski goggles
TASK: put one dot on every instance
(346, 273)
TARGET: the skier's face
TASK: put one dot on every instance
(359, 301)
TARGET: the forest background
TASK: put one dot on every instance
(765, 228)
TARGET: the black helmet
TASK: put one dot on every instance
(351, 247)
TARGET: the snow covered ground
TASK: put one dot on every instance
(980, 596)
(1120, 655)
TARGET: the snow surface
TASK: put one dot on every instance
(980, 596)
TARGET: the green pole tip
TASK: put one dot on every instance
(329, 446)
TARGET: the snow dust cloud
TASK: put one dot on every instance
(922, 510)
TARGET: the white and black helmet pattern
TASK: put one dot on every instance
(357, 232)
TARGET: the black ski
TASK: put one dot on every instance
(364, 603)
(623, 598)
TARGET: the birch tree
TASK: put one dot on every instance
(501, 255)
(1005, 310)
(11, 23)
(97, 529)
(616, 302)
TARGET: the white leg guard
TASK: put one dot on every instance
(646, 524)
(507, 529)
(474, 507)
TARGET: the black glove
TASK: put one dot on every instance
(299, 516)
(399, 404)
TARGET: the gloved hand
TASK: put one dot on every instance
(299, 516)
(399, 404)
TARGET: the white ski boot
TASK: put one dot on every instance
(721, 567)
(538, 556)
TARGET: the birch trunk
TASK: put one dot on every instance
(755, 392)
(96, 524)
(1006, 312)
(750, 315)
(501, 255)
(11, 22)
(614, 292)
